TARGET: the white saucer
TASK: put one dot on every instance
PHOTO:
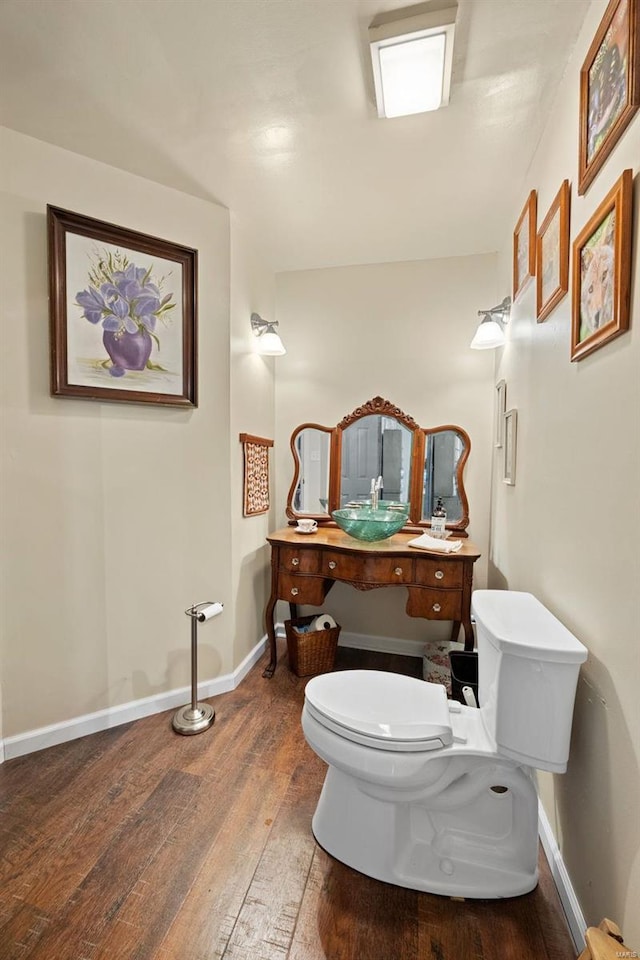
(299, 530)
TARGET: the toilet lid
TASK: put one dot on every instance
(385, 707)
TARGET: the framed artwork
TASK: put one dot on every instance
(256, 474)
(552, 255)
(122, 308)
(609, 86)
(524, 245)
(501, 406)
(601, 268)
(510, 437)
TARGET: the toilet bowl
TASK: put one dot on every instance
(433, 795)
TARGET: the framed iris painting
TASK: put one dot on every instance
(609, 86)
(122, 309)
(602, 272)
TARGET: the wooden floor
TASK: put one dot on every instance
(137, 843)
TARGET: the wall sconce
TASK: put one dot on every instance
(490, 332)
(412, 58)
(269, 342)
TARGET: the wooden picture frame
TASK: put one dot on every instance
(601, 272)
(524, 245)
(501, 406)
(255, 498)
(510, 446)
(609, 87)
(122, 310)
(552, 255)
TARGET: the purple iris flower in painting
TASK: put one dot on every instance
(128, 301)
(93, 304)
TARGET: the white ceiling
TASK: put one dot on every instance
(266, 106)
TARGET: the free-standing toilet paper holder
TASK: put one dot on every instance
(196, 717)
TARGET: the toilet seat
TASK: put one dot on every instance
(385, 711)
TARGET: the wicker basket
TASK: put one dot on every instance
(312, 652)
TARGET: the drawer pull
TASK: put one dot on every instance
(398, 571)
(439, 574)
(296, 561)
(332, 564)
(436, 608)
(294, 591)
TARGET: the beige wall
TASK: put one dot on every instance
(401, 331)
(568, 530)
(115, 517)
(253, 412)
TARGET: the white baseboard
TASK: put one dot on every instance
(562, 880)
(56, 733)
(402, 646)
(363, 641)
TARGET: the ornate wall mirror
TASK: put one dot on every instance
(311, 448)
(334, 466)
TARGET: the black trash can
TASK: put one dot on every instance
(464, 673)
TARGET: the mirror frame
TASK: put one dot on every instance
(382, 407)
(291, 513)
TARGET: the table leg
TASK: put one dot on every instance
(455, 630)
(469, 639)
(271, 634)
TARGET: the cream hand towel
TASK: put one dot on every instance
(426, 542)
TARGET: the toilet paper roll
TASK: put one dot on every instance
(205, 613)
(324, 622)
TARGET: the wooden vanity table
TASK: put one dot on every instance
(304, 567)
(333, 468)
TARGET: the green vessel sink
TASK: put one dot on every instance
(363, 523)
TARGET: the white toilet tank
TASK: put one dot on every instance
(528, 665)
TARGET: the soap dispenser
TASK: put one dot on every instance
(439, 520)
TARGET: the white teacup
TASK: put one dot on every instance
(306, 525)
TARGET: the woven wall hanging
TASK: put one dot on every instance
(256, 474)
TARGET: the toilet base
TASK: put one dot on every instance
(478, 838)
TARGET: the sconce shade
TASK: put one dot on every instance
(488, 336)
(269, 342)
(490, 332)
(412, 59)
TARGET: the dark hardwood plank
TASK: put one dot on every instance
(96, 902)
(64, 837)
(344, 920)
(208, 914)
(266, 922)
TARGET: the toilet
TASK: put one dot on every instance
(433, 795)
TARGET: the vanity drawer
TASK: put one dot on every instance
(439, 573)
(371, 570)
(296, 589)
(435, 604)
(297, 560)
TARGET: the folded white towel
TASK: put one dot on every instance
(426, 542)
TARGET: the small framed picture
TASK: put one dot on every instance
(122, 308)
(501, 406)
(552, 255)
(601, 268)
(524, 245)
(609, 87)
(510, 437)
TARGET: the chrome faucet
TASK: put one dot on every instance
(376, 487)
